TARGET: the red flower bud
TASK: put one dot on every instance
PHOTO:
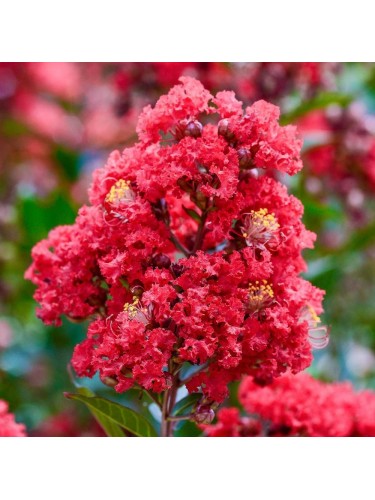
(204, 414)
(193, 129)
(177, 269)
(161, 260)
(224, 130)
(188, 128)
(245, 159)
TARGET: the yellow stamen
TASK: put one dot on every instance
(132, 309)
(262, 218)
(260, 295)
(314, 316)
(308, 314)
(259, 227)
(318, 334)
(119, 191)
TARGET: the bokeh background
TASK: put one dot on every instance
(59, 121)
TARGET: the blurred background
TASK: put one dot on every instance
(59, 121)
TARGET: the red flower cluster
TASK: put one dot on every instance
(230, 423)
(103, 98)
(276, 81)
(67, 424)
(298, 406)
(8, 426)
(345, 150)
(189, 253)
(80, 108)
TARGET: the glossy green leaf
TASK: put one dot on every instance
(186, 404)
(321, 101)
(187, 429)
(117, 414)
(108, 426)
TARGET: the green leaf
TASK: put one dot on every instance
(68, 162)
(38, 216)
(187, 429)
(186, 403)
(193, 214)
(13, 128)
(108, 426)
(314, 208)
(116, 414)
(321, 101)
(361, 239)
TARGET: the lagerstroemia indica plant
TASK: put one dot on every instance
(187, 261)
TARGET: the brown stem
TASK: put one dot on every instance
(180, 418)
(178, 243)
(164, 421)
(200, 233)
(169, 401)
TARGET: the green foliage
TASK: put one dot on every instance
(186, 404)
(107, 424)
(38, 216)
(113, 416)
(68, 161)
(321, 101)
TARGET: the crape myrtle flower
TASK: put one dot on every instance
(344, 153)
(298, 405)
(67, 424)
(118, 92)
(187, 253)
(8, 426)
(230, 423)
(275, 81)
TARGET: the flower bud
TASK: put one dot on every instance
(204, 414)
(224, 130)
(193, 129)
(244, 158)
(188, 128)
(109, 381)
(177, 269)
(137, 289)
(161, 260)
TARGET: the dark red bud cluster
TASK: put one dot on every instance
(188, 128)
